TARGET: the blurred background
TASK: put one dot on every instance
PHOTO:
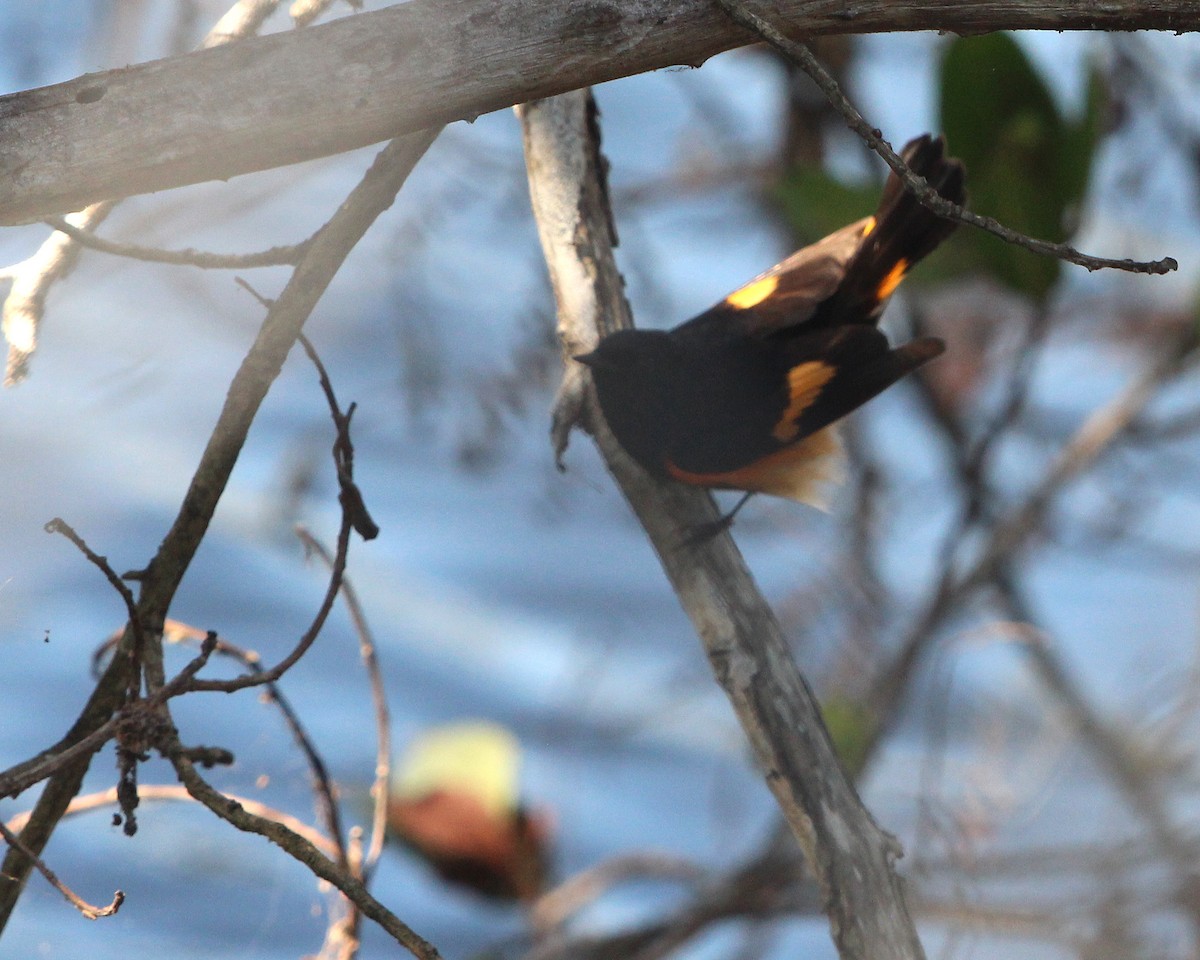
(1001, 622)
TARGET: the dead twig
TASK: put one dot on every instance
(554, 908)
(342, 938)
(163, 792)
(1012, 532)
(800, 55)
(162, 577)
(283, 256)
(299, 848)
(380, 789)
(88, 910)
(349, 495)
(60, 526)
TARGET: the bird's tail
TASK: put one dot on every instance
(900, 234)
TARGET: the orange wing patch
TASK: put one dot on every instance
(800, 472)
(892, 280)
(868, 226)
(804, 386)
(753, 293)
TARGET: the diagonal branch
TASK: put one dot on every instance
(300, 848)
(159, 582)
(851, 857)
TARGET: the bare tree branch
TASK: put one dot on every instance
(555, 907)
(380, 789)
(851, 857)
(274, 257)
(362, 79)
(33, 277)
(1012, 532)
(88, 910)
(800, 55)
(168, 792)
(330, 246)
(298, 847)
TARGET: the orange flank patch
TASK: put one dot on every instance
(892, 280)
(804, 386)
(799, 472)
(753, 293)
(868, 226)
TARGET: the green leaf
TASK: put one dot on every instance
(1026, 165)
(851, 727)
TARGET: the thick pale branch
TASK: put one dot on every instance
(851, 857)
(309, 93)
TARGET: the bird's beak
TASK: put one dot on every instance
(587, 359)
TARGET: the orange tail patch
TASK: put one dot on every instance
(803, 471)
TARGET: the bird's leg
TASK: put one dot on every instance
(706, 531)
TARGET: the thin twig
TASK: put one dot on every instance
(349, 495)
(19, 778)
(327, 803)
(302, 850)
(343, 936)
(380, 789)
(137, 638)
(60, 526)
(88, 910)
(555, 908)
(1115, 750)
(800, 55)
(354, 515)
(771, 884)
(262, 677)
(163, 792)
(178, 632)
(282, 256)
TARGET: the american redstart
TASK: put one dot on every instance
(745, 395)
